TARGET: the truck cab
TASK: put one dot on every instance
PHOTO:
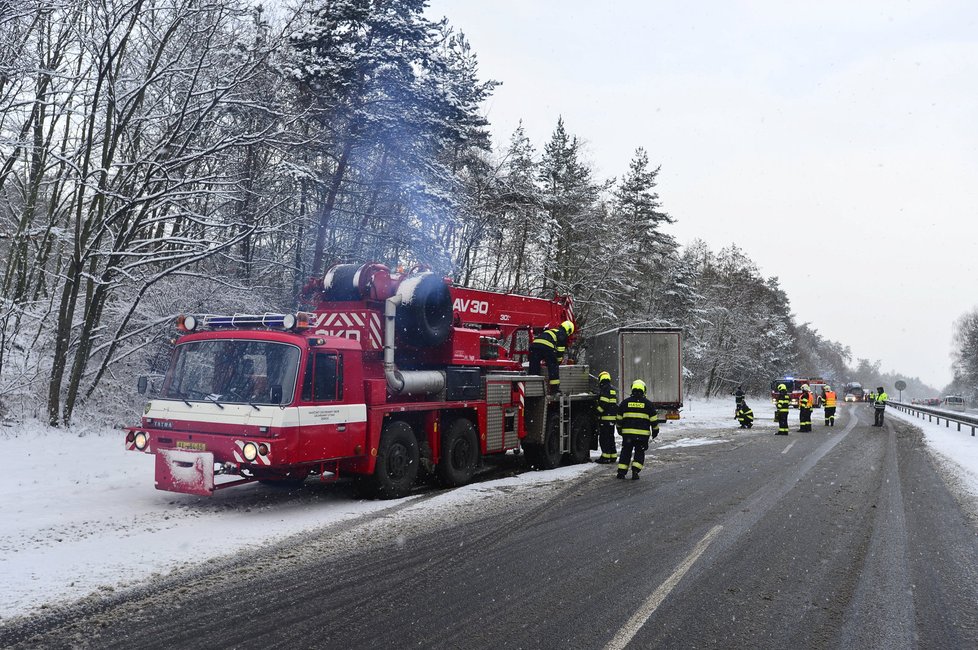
(253, 402)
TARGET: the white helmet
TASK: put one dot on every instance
(805, 387)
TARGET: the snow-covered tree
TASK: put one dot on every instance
(396, 100)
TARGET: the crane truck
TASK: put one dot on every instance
(389, 377)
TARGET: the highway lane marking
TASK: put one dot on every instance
(789, 447)
(644, 613)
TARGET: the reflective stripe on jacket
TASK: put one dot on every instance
(829, 398)
(608, 403)
(637, 416)
(783, 403)
(554, 339)
(880, 402)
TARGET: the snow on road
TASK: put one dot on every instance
(81, 515)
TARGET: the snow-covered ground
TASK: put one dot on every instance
(81, 515)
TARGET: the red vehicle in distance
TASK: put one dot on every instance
(815, 384)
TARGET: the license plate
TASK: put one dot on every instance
(194, 446)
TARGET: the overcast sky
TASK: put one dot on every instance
(835, 142)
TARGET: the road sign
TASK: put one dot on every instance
(899, 384)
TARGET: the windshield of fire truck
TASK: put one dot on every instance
(233, 371)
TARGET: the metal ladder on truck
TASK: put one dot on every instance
(564, 411)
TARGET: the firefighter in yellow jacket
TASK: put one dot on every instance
(607, 417)
(830, 405)
(637, 422)
(805, 409)
(549, 348)
(781, 405)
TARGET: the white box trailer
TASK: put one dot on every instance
(652, 354)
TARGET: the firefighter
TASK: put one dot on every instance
(781, 405)
(745, 415)
(830, 401)
(607, 417)
(637, 420)
(549, 348)
(879, 405)
(805, 409)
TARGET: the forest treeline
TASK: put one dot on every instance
(167, 156)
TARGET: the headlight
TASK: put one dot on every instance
(141, 440)
(186, 323)
(250, 451)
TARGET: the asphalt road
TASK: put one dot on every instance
(841, 538)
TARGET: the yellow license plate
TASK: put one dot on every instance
(194, 446)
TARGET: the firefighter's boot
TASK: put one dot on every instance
(621, 473)
(634, 474)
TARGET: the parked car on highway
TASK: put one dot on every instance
(953, 403)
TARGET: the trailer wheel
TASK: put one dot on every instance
(397, 463)
(459, 453)
(582, 431)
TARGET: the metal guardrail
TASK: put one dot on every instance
(938, 414)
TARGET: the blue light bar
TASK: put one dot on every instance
(272, 321)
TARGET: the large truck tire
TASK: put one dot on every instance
(459, 453)
(338, 285)
(397, 464)
(546, 455)
(581, 434)
(424, 319)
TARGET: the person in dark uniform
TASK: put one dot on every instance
(805, 409)
(549, 348)
(637, 421)
(745, 415)
(607, 417)
(781, 406)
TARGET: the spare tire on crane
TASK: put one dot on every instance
(424, 317)
(339, 284)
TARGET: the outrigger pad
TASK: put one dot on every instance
(189, 472)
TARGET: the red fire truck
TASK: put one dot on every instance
(816, 386)
(390, 377)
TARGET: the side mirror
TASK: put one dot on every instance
(141, 384)
(276, 393)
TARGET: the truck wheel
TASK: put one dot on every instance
(397, 462)
(547, 455)
(459, 453)
(582, 430)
